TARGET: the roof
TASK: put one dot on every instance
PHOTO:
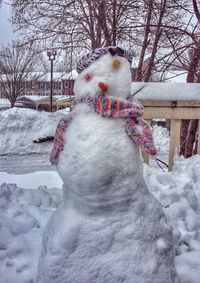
(166, 91)
(57, 76)
(33, 98)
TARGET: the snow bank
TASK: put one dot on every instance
(23, 215)
(24, 126)
(179, 194)
(4, 103)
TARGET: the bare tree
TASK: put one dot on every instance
(153, 27)
(16, 70)
(184, 43)
(163, 25)
(91, 23)
(189, 127)
(87, 24)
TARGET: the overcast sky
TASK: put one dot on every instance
(6, 34)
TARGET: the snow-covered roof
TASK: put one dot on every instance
(166, 91)
(71, 75)
(57, 76)
(33, 98)
(41, 76)
(176, 76)
(63, 97)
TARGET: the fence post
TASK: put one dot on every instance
(174, 140)
(198, 139)
(145, 155)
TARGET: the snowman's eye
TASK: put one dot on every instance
(88, 77)
(116, 64)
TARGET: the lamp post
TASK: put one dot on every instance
(52, 56)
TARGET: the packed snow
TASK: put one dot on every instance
(25, 210)
(165, 91)
(179, 194)
(23, 216)
(25, 126)
(41, 178)
(101, 232)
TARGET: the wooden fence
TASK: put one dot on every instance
(175, 111)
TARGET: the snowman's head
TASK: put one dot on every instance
(104, 70)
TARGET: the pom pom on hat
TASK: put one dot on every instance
(87, 59)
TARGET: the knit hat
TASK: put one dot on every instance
(87, 59)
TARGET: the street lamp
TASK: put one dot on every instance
(52, 56)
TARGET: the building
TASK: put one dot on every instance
(40, 84)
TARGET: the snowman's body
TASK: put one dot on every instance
(110, 228)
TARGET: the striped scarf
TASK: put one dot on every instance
(109, 107)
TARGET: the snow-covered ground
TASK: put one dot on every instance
(28, 198)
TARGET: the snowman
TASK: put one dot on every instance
(109, 227)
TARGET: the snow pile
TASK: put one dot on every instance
(24, 126)
(179, 193)
(161, 138)
(23, 215)
(33, 180)
(4, 103)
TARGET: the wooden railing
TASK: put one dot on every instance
(174, 111)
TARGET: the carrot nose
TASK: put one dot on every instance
(102, 86)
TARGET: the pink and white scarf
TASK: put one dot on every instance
(109, 107)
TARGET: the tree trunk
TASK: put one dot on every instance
(189, 127)
(145, 41)
(183, 136)
(149, 70)
(193, 126)
(12, 103)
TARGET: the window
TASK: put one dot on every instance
(47, 85)
(66, 84)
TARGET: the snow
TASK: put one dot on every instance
(37, 98)
(109, 228)
(4, 103)
(43, 76)
(179, 193)
(25, 126)
(29, 202)
(103, 72)
(33, 180)
(166, 91)
(176, 76)
(32, 98)
(19, 254)
(23, 216)
(161, 139)
(57, 76)
(188, 266)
